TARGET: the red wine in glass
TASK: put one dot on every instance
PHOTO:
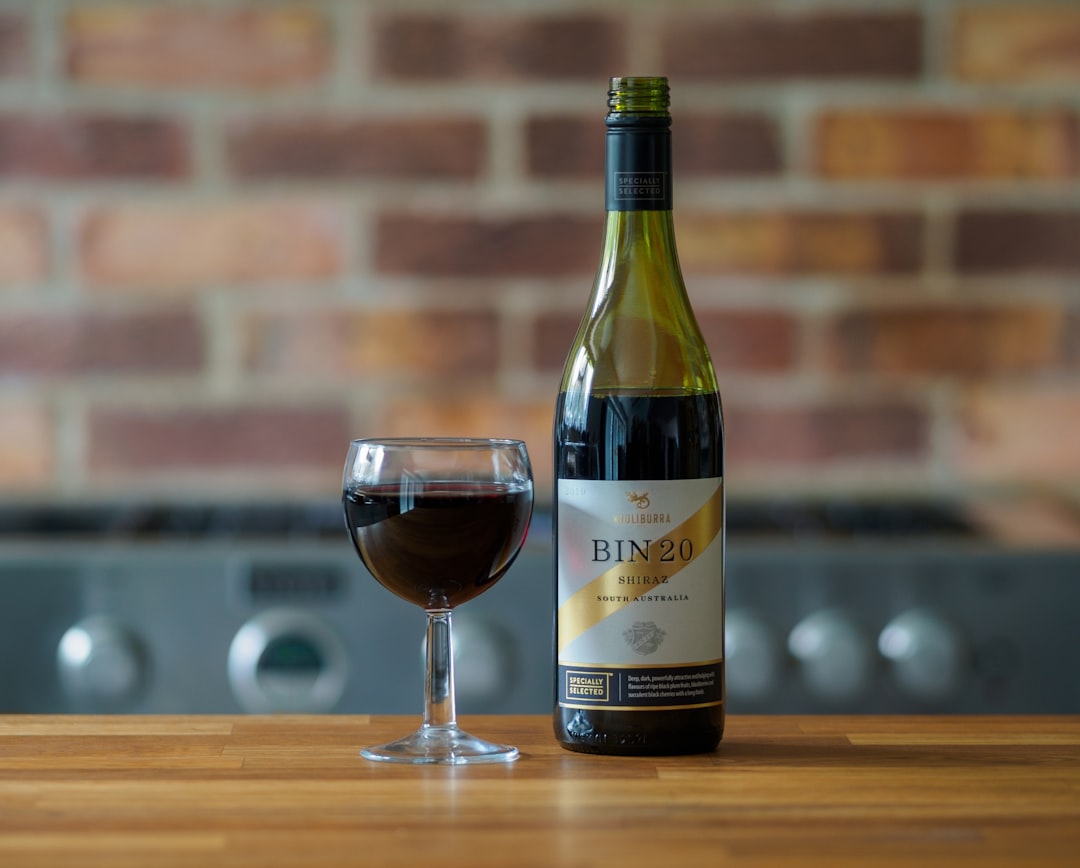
(438, 521)
(442, 545)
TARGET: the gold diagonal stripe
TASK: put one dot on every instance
(585, 609)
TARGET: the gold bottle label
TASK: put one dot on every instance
(640, 593)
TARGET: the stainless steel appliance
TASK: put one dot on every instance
(831, 607)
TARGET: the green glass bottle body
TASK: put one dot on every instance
(639, 461)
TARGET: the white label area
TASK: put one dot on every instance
(640, 570)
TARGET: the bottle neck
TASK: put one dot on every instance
(638, 176)
(637, 243)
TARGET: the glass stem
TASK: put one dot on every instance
(439, 710)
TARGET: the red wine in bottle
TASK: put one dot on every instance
(639, 461)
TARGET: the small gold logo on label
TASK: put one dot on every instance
(639, 499)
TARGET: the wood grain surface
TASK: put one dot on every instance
(805, 791)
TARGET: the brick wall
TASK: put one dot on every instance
(235, 234)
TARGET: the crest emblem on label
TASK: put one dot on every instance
(644, 637)
(639, 499)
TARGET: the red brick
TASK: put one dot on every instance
(563, 146)
(27, 453)
(422, 45)
(324, 147)
(753, 341)
(876, 430)
(946, 144)
(799, 243)
(553, 333)
(741, 46)
(726, 144)
(1021, 42)
(75, 147)
(173, 46)
(1012, 241)
(153, 246)
(175, 439)
(350, 344)
(1019, 434)
(461, 246)
(14, 44)
(738, 340)
(948, 341)
(23, 245)
(74, 344)
(1070, 342)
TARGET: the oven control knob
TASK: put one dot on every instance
(835, 656)
(102, 662)
(928, 655)
(752, 659)
(287, 660)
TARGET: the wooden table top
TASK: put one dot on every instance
(806, 791)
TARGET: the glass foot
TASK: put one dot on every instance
(442, 745)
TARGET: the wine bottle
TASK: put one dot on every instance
(639, 462)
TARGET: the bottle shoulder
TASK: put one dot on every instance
(639, 352)
(639, 330)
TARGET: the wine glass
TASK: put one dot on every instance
(438, 521)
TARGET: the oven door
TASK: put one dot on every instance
(827, 611)
(211, 627)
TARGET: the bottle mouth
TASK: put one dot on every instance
(639, 96)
